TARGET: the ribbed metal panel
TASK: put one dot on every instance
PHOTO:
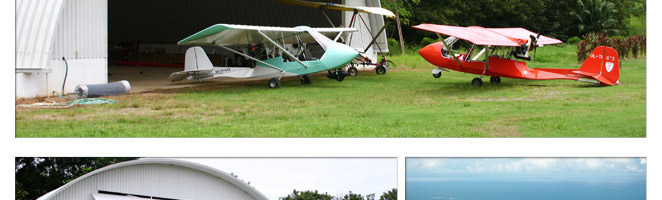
(35, 27)
(82, 32)
(158, 180)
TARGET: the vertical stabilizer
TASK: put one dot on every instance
(602, 65)
(197, 60)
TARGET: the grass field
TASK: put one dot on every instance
(406, 102)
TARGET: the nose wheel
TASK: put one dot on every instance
(341, 75)
(437, 75)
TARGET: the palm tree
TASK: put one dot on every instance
(596, 16)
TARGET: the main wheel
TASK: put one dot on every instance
(380, 70)
(352, 71)
(477, 82)
(306, 80)
(437, 75)
(495, 79)
(274, 83)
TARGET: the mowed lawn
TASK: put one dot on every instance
(406, 102)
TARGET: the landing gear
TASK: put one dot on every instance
(274, 83)
(352, 71)
(306, 80)
(495, 79)
(341, 75)
(477, 82)
(437, 75)
(380, 70)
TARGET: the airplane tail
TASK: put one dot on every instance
(196, 60)
(602, 65)
(196, 63)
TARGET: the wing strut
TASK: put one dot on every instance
(449, 50)
(250, 57)
(374, 39)
(487, 59)
(282, 49)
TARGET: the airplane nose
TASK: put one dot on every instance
(348, 52)
(340, 54)
(431, 51)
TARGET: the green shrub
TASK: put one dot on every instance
(574, 40)
(427, 40)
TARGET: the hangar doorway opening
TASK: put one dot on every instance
(143, 35)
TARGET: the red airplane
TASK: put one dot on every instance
(503, 46)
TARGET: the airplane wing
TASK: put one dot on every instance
(333, 6)
(524, 34)
(232, 34)
(488, 36)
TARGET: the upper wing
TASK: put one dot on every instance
(523, 34)
(232, 34)
(488, 36)
(333, 6)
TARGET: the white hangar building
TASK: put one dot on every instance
(155, 179)
(92, 35)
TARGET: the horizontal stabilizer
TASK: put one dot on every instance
(602, 65)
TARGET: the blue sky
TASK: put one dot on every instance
(530, 169)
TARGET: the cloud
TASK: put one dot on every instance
(444, 167)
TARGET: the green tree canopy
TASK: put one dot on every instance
(307, 195)
(37, 176)
(390, 195)
(561, 19)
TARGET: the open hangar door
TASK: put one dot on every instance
(143, 35)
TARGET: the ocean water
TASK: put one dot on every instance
(513, 189)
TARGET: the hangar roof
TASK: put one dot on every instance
(194, 166)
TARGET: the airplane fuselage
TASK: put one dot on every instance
(498, 67)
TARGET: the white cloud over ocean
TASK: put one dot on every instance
(554, 168)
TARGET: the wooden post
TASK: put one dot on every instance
(397, 20)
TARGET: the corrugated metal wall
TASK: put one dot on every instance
(158, 180)
(82, 32)
(35, 25)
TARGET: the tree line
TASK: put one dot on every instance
(561, 19)
(315, 195)
(37, 176)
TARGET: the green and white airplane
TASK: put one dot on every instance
(267, 52)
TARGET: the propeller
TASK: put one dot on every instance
(534, 43)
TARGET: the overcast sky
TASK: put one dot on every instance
(277, 177)
(584, 169)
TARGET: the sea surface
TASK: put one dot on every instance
(523, 189)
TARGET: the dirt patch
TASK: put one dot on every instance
(503, 99)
